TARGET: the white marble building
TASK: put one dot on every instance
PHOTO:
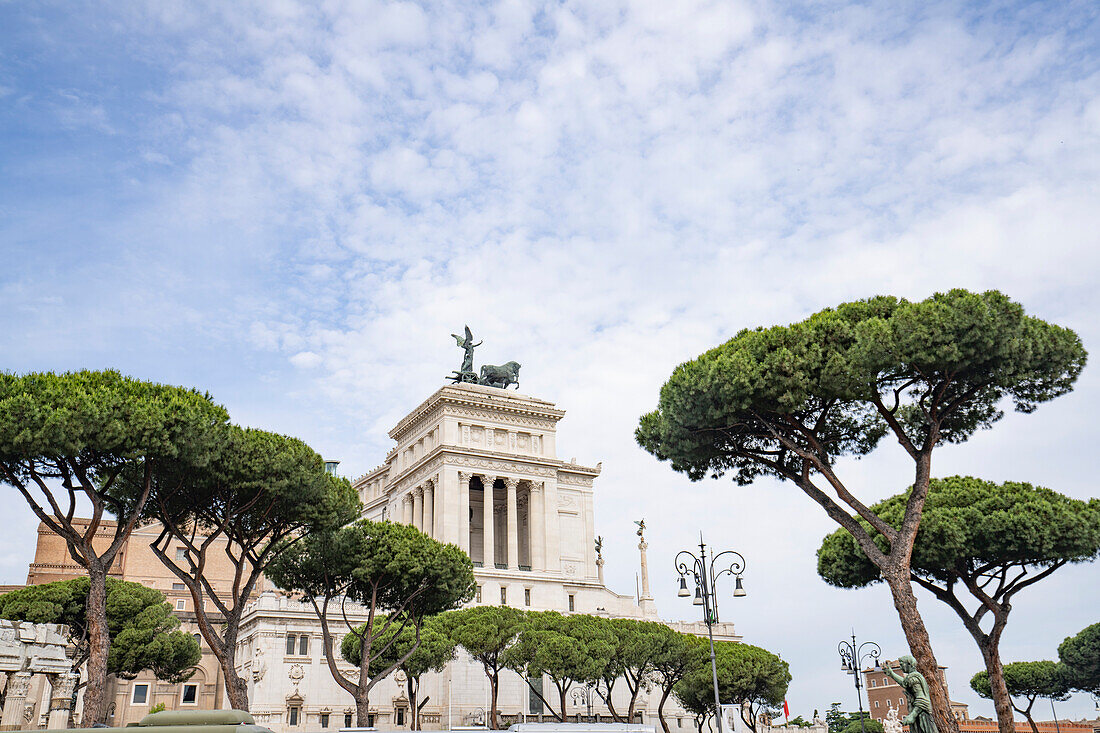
(475, 466)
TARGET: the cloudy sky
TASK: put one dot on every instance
(292, 205)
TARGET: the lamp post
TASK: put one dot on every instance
(583, 695)
(851, 661)
(705, 577)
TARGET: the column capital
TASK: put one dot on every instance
(418, 491)
(511, 483)
(488, 478)
(536, 487)
(463, 476)
(19, 684)
(407, 498)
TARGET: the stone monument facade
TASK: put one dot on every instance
(476, 466)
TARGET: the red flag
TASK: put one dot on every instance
(786, 710)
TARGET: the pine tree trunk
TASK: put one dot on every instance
(414, 720)
(916, 635)
(493, 702)
(362, 706)
(661, 710)
(236, 689)
(99, 645)
(1006, 721)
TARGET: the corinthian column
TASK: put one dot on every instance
(513, 524)
(464, 511)
(418, 508)
(538, 527)
(61, 700)
(15, 699)
(406, 509)
(488, 538)
(429, 509)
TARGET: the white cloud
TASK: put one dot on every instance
(602, 190)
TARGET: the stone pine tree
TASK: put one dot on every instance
(674, 655)
(566, 650)
(260, 494)
(390, 569)
(632, 659)
(979, 544)
(487, 634)
(791, 401)
(435, 650)
(1029, 681)
(752, 678)
(65, 441)
(1080, 656)
(144, 633)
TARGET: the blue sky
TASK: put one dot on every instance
(291, 205)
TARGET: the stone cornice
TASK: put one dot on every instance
(498, 403)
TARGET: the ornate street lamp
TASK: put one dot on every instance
(851, 661)
(705, 577)
(583, 695)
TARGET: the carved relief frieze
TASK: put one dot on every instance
(501, 465)
(511, 419)
(574, 480)
(567, 501)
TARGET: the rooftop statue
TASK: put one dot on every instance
(466, 373)
(491, 375)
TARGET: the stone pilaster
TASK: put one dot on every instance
(488, 541)
(537, 523)
(15, 699)
(406, 509)
(61, 701)
(513, 524)
(418, 507)
(429, 509)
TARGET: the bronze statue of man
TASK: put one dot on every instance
(920, 718)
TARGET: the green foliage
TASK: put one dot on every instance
(636, 645)
(433, 653)
(158, 708)
(486, 633)
(65, 439)
(566, 649)
(836, 719)
(868, 725)
(392, 567)
(259, 488)
(85, 427)
(970, 524)
(798, 722)
(1030, 681)
(747, 675)
(826, 385)
(1080, 656)
(144, 633)
(389, 568)
(259, 493)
